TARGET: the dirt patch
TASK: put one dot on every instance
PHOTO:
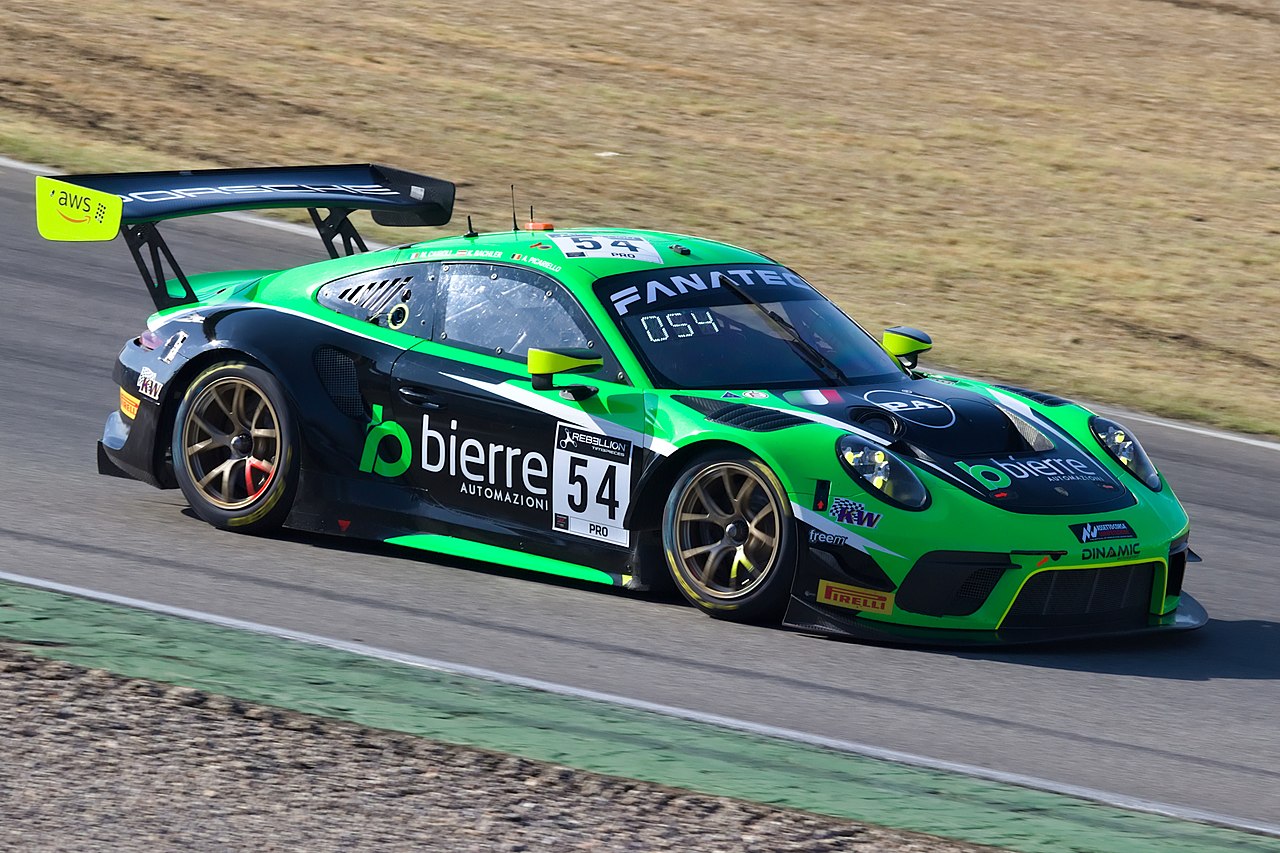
(96, 761)
(1081, 198)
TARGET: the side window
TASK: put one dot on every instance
(506, 311)
(398, 297)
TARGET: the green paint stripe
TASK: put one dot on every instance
(498, 555)
(586, 734)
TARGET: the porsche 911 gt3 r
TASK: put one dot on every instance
(619, 406)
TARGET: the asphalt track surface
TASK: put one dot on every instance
(1190, 719)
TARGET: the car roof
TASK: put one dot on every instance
(556, 251)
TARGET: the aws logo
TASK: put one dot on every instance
(78, 209)
(67, 211)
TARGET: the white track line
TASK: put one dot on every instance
(1125, 415)
(851, 747)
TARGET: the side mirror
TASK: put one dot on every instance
(546, 363)
(905, 344)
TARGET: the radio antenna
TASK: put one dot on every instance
(471, 232)
(515, 226)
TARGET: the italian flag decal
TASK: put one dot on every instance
(822, 397)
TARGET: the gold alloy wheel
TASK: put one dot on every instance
(728, 530)
(231, 443)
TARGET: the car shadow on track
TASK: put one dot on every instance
(1245, 649)
(1241, 649)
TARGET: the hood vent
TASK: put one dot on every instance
(742, 415)
(1039, 396)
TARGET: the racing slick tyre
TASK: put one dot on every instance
(235, 448)
(730, 538)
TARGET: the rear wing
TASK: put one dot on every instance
(97, 207)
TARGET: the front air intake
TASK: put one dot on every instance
(1118, 596)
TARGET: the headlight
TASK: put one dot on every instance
(1125, 449)
(882, 473)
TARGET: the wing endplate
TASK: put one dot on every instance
(68, 212)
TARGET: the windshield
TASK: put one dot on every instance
(709, 327)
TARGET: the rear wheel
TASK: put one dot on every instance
(235, 448)
(729, 536)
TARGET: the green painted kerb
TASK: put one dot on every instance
(586, 734)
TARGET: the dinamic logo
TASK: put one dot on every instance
(916, 408)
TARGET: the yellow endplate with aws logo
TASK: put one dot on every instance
(69, 213)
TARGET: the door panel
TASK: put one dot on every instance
(531, 467)
(498, 460)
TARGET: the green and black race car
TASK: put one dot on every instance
(619, 406)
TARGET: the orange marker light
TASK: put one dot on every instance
(539, 226)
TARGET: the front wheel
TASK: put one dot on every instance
(235, 448)
(729, 536)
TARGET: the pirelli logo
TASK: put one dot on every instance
(128, 404)
(854, 597)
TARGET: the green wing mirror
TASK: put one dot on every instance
(546, 363)
(905, 344)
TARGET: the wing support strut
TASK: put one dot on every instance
(338, 224)
(151, 254)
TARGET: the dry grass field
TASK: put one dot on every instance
(1080, 196)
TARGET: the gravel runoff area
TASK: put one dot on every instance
(90, 760)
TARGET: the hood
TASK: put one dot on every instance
(1018, 461)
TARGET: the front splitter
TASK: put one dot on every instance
(812, 618)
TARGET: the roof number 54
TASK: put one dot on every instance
(607, 246)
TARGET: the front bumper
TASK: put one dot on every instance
(953, 598)
(804, 615)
